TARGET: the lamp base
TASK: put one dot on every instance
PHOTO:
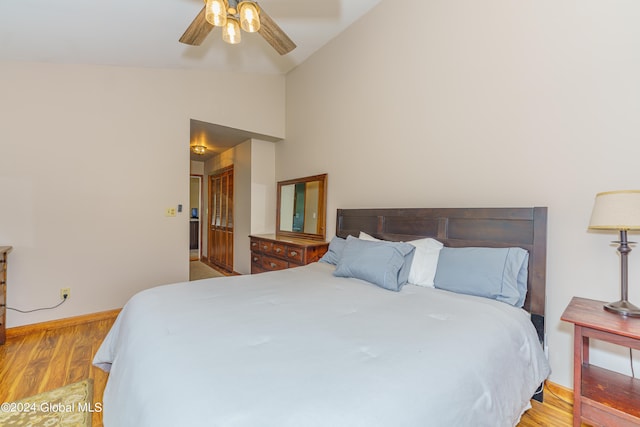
(623, 308)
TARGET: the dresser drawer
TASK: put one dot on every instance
(295, 254)
(256, 266)
(266, 247)
(269, 253)
(272, 263)
(256, 259)
(279, 249)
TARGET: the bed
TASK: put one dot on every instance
(304, 347)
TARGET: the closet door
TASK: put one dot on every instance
(221, 219)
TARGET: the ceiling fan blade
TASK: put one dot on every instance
(197, 31)
(274, 35)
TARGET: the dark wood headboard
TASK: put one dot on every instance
(459, 227)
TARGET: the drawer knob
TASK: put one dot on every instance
(293, 253)
(273, 265)
(265, 247)
(278, 250)
(255, 258)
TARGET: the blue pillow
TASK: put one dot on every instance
(382, 263)
(334, 253)
(497, 273)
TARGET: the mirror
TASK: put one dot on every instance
(302, 207)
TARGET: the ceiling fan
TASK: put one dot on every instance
(232, 15)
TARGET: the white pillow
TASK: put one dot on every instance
(365, 236)
(425, 259)
(425, 262)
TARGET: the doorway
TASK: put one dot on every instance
(195, 211)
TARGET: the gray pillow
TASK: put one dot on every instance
(334, 253)
(497, 273)
(382, 263)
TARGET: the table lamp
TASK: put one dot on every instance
(619, 210)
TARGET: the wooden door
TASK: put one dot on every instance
(220, 251)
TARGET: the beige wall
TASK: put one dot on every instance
(242, 208)
(90, 158)
(256, 203)
(492, 103)
(263, 187)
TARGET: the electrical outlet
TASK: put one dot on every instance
(65, 292)
(170, 212)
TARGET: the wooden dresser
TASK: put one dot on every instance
(269, 252)
(4, 250)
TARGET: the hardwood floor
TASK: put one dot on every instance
(34, 360)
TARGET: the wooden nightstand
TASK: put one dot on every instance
(601, 396)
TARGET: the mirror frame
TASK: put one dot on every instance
(322, 208)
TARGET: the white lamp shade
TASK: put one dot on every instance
(616, 210)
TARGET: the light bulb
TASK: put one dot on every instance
(249, 16)
(216, 12)
(231, 31)
(199, 149)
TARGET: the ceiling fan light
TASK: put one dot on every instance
(231, 31)
(249, 16)
(216, 12)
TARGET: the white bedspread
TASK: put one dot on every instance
(301, 348)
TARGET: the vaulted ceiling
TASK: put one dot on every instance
(145, 33)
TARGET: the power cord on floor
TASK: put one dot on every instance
(633, 374)
(557, 397)
(38, 309)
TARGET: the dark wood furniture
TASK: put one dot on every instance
(601, 396)
(220, 220)
(270, 252)
(4, 251)
(194, 233)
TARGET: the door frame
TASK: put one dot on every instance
(200, 211)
